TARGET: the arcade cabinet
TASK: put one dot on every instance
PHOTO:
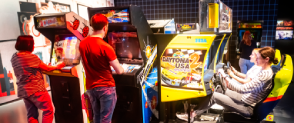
(284, 36)
(65, 31)
(255, 27)
(133, 41)
(187, 61)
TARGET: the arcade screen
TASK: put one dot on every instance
(288, 23)
(182, 68)
(66, 49)
(255, 34)
(221, 51)
(125, 44)
(284, 34)
(117, 15)
(280, 23)
(206, 63)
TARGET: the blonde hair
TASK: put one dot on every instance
(255, 51)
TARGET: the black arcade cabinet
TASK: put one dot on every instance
(132, 39)
(65, 31)
(255, 27)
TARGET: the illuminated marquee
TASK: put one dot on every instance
(48, 22)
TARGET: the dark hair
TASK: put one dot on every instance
(25, 43)
(247, 38)
(270, 53)
(98, 21)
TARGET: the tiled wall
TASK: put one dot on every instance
(186, 11)
(256, 10)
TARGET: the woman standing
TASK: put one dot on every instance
(246, 47)
(28, 71)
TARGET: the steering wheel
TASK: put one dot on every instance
(228, 65)
(223, 83)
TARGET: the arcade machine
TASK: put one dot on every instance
(187, 61)
(135, 46)
(65, 31)
(255, 27)
(284, 36)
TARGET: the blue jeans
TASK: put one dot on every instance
(103, 100)
(231, 101)
(39, 100)
(245, 65)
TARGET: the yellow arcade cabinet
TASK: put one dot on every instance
(65, 31)
(187, 61)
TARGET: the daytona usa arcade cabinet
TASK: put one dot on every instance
(133, 41)
(187, 61)
(65, 31)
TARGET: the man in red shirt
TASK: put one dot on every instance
(97, 57)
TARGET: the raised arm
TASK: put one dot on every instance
(239, 79)
(238, 74)
(254, 86)
(45, 67)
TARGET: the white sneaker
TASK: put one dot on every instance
(182, 116)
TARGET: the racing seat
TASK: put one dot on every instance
(281, 80)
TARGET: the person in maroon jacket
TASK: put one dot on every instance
(28, 71)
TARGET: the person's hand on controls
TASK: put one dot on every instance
(230, 72)
(233, 69)
(60, 65)
(222, 72)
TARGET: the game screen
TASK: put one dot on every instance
(182, 68)
(255, 34)
(288, 23)
(280, 23)
(284, 35)
(66, 49)
(221, 51)
(116, 16)
(125, 44)
(225, 22)
(206, 63)
(51, 22)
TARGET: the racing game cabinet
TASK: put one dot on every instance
(187, 62)
(133, 41)
(65, 31)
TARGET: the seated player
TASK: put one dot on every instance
(27, 69)
(243, 98)
(251, 73)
